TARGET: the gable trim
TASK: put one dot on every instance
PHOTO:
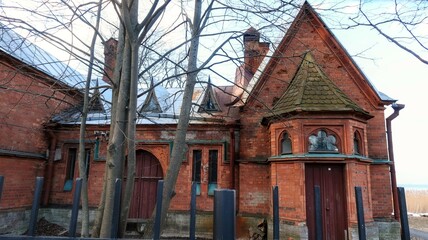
(258, 80)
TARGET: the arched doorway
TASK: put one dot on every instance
(148, 172)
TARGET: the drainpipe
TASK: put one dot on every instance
(232, 157)
(49, 172)
(397, 108)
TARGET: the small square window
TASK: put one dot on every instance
(211, 188)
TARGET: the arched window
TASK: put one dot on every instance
(322, 142)
(357, 144)
(286, 147)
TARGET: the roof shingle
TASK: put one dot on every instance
(312, 90)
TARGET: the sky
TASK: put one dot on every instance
(404, 78)
(395, 73)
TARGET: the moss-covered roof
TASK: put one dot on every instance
(311, 90)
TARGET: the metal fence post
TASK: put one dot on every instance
(35, 208)
(360, 214)
(116, 208)
(405, 231)
(157, 228)
(192, 229)
(318, 213)
(1, 185)
(75, 209)
(224, 214)
(275, 213)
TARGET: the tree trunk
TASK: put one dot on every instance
(83, 161)
(116, 148)
(115, 96)
(132, 118)
(179, 147)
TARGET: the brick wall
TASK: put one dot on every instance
(28, 99)
(157, 140)
(19, 181)
(254, 188)
(290, 179)
(381, 191)
(358, 174)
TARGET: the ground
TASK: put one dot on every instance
(419, 223)
(45, 228)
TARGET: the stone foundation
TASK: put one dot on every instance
(16, 222)
(289, 231)
(378, 230)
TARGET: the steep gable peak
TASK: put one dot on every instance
(151, 103)
(209, 101)
(308, 17)
(95, 103)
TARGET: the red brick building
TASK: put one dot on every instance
(299, 116)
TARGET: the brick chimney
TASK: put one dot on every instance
(254, 52)
(110, 50)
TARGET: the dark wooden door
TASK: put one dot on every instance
(331, 180)
(147, 173)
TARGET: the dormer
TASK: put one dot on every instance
(209, 101)
(95, 103)
(151, 103)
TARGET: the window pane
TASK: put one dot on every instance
(87, 160)
(322, 142)
(212, 174)
(72, 154)
(285, 144)
(196, 171)
(356, 144)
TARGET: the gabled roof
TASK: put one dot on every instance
(151, 103)
(209, 101)
(23, 50)
(312, 91)
(308, 14)
(169, 100)
(95, 102)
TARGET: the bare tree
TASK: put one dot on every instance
(400, 22)
(83, 162)
(189, 57)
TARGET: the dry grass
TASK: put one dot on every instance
(419, 223)
(417, 201)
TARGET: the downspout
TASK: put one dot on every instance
(232, 158)
(397, 108)
(49, 172)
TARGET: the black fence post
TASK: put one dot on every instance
(405, 231)
(318, 213)
(275, 212)
(192, 233)
(75, 209)
(157, 228)
(224, 214)
(1, 185)
(116, 208)
(35, 208)
(360, 214)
